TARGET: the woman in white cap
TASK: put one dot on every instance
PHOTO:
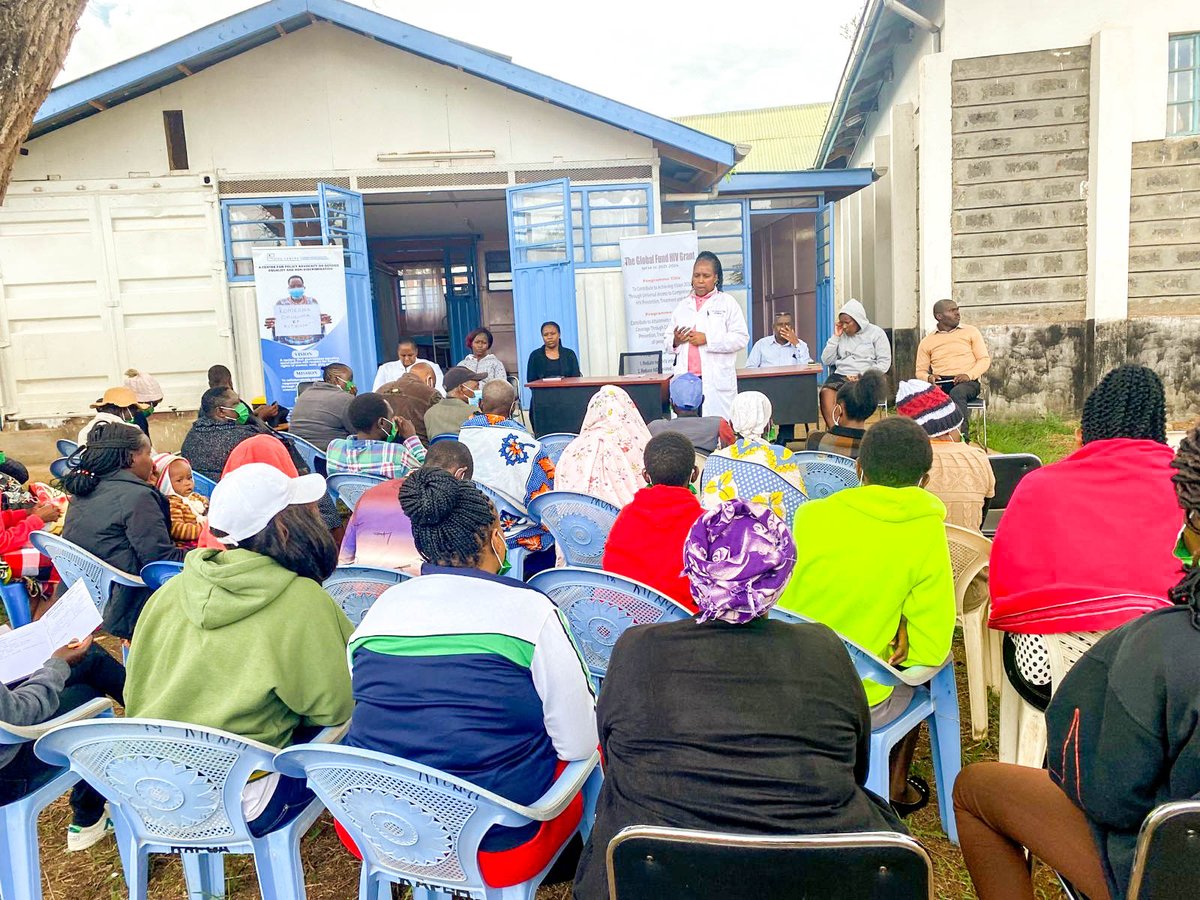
(149, 394)
(256, 609)
(756, 432)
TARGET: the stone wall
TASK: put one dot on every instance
(1164, 228)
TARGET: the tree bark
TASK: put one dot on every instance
(35, 36)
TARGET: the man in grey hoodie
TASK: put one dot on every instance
(854, 347)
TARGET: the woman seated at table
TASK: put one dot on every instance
(681, 698)
(481, 359)
(605, 461)
(751, 421)
(551, 360)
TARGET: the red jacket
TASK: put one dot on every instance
(1087, 544)
(19, 524)
(646, 541)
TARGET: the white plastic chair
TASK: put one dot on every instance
(73, 563)
(825, 473)
(969, 555)
(419, 826)
(20, 865)
(356, 588)
(580, 524)
(511, 509)
(349, 488)
(177, 788)
(554, 444)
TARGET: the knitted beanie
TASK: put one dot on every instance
(145, 387)
(929, 406)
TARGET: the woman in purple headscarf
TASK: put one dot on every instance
(732, 721)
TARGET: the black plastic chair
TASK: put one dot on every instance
(1009, 468)
(1167, 861)
(649, 363)
(646, 862)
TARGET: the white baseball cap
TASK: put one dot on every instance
(250, 496)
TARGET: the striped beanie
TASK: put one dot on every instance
(929, 406)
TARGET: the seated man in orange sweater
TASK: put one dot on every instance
(646, 542)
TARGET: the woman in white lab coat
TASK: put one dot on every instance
(706, 331)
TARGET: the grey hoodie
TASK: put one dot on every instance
(855, 354)
(34, 700)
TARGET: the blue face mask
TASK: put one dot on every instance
(296, 293)
(477, 396)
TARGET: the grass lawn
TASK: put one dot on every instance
(1050, 438)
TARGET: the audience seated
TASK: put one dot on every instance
(751, 420)
(245, 639)
(961, 476)
(1122, 736)
(119, 405)
(117, 515)
(510, 460)
(148, 393)
(412, 395)
(447, 415)
(707, 433)
(173, 478)
(380, 444)
(605, 460)
(468, 671)
(379, 532)
(856, 402)
(733, 722)
(646, 541)
(322, 413)
(872, 563)
(21, 514)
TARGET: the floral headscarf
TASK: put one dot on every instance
(738, 559)
(605, 461)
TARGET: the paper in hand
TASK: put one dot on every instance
(25, 650)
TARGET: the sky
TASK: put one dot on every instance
(667, 58)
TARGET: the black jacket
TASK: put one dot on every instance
(760, 728)
(539, 366)
(126, 523)
(1124, 731)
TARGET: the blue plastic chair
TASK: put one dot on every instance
(826, 473)
(445, 436)
(310, 453)
(60, 467)
(580, 524)
(419, 826)
(510, 509)
(73, 563)
(20, 865)
(554, 444)
(348, 488)
(935, 698)
(156, 574)
(16, 605)
(756, 482)
(177, 788)
(65, 447)
(599, 606)
(355, 588)
(203, 484)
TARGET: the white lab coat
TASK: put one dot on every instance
(723, 324)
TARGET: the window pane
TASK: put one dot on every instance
(306, 210)
(734, 276)
(722, 245)
(253, 212)
(719, 227)
(576, 199)
(579, 254)
(718, 211)
(676, 226)
(801, 202)
(634, 215)
(526, 199)
(1180, 87)
(243, 267)
(1183, 51)
(256, 231)
(609, 234)
(538, 217)
(616, 198)
(606, 253)
(1180, 119)
(677, 214)
(242, 248)
(545, 254)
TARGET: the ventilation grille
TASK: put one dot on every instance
(281, 185)
(612, 173)
(432, 180)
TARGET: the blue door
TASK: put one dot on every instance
(343, 224)
(543, 266)
(824, 241)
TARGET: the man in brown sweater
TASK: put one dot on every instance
(412, 394)
(954, 357)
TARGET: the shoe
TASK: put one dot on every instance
(905, 810)
(80, 837)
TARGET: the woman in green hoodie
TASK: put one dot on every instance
(245, 639)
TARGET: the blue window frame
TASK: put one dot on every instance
(602, 214)
(266, 222)
(1183, 84)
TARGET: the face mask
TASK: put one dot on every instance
(772, 433)
(505, 565)
(242, 412)
(347, 386)
(296, 293)
(476, 396)
(392, 432)
(3, 458)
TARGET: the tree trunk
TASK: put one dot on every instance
(35, 36)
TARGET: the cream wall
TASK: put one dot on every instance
(325, 99)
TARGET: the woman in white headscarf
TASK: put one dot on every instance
(750, 417)
(605, 461)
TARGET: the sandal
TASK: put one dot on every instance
(907, 809)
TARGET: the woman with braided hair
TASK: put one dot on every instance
(1122, 738)
(473, 673)
(117, 515)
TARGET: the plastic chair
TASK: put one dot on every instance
(438, 438)
(73, 563)
(1009, 469)
(935, 698)
(60, 467)
(16, 604)
(156, 574)
(312, 455)
(203, 485)
(65, 447)
(969, 555)
(580, 525)
(646, 861)
(21, 868)
(599, 606)
(419, 826)
(1166, 864)
(825, 473)
(348, 488)
(979, 405)
(511, 510)
(755, 482)
(355, 588)
(647, 363)
(554, 444)
(177, 788)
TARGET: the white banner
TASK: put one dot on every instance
(657, 273)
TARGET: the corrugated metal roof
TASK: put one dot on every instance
(784, 138)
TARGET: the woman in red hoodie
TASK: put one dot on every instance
(646, 541)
